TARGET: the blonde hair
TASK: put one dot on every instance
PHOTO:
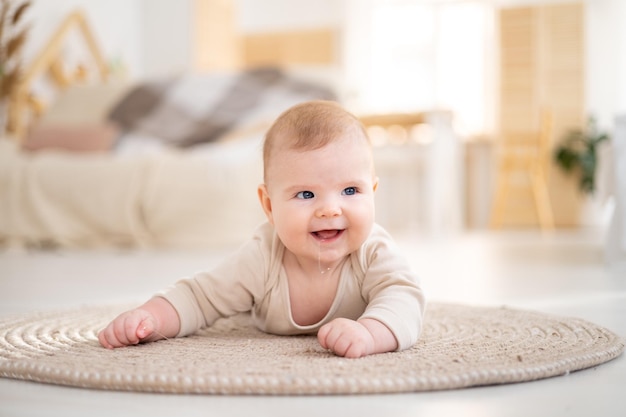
(309, 126)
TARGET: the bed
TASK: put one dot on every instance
(165, 163)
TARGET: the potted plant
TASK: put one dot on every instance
(578, 153)
(12, 38)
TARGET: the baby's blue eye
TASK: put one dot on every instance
(349, 191)
(305, 195)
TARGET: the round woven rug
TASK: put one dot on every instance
(461, 346)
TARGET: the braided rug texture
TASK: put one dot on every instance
(461, 346)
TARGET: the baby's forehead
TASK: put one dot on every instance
(292, 140)
(348, 147)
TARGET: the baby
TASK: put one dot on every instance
(319, 265)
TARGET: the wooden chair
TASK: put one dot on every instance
(524, 155)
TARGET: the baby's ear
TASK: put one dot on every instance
(266, 202)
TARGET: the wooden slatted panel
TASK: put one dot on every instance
(542, 68)
(563, 91)
(518, 70)
(314, 46)
(217, 44)
(563, 72)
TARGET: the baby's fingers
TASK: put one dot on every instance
(322, 335)
(104, 341)
(345, 337)
(108, 337)
(127, 329)
(146, 329)
(332, 336)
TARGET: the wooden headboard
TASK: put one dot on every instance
(316, 46)
(220, 44)
(312, 46)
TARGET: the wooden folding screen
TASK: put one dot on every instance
(541, 72)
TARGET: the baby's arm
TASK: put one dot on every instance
(354, 339)
(154, 320)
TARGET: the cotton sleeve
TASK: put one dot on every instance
(232, 287)
(391, 289)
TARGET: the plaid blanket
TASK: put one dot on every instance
(195, 109)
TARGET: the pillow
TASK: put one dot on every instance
(77, 120)
(82, 104)
(87, 137)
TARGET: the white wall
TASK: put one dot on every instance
(153, 37)
(117, 25)
(606, 60)
(264, 15)
(166, 37)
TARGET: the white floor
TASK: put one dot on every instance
(562, 273)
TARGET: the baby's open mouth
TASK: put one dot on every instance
(327, 234)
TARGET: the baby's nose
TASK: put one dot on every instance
(328, 208)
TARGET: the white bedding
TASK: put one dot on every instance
(144, 191)
(169, 199)
(147, 193)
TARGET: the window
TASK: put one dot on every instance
(424, 56)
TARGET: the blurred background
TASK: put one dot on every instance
(130, 148)
(514, 79)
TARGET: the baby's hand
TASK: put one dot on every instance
(128, 328)
(347, 338)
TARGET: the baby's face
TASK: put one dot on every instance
(321, 202)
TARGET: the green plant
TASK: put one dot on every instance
(12, 38)
(578, 152)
